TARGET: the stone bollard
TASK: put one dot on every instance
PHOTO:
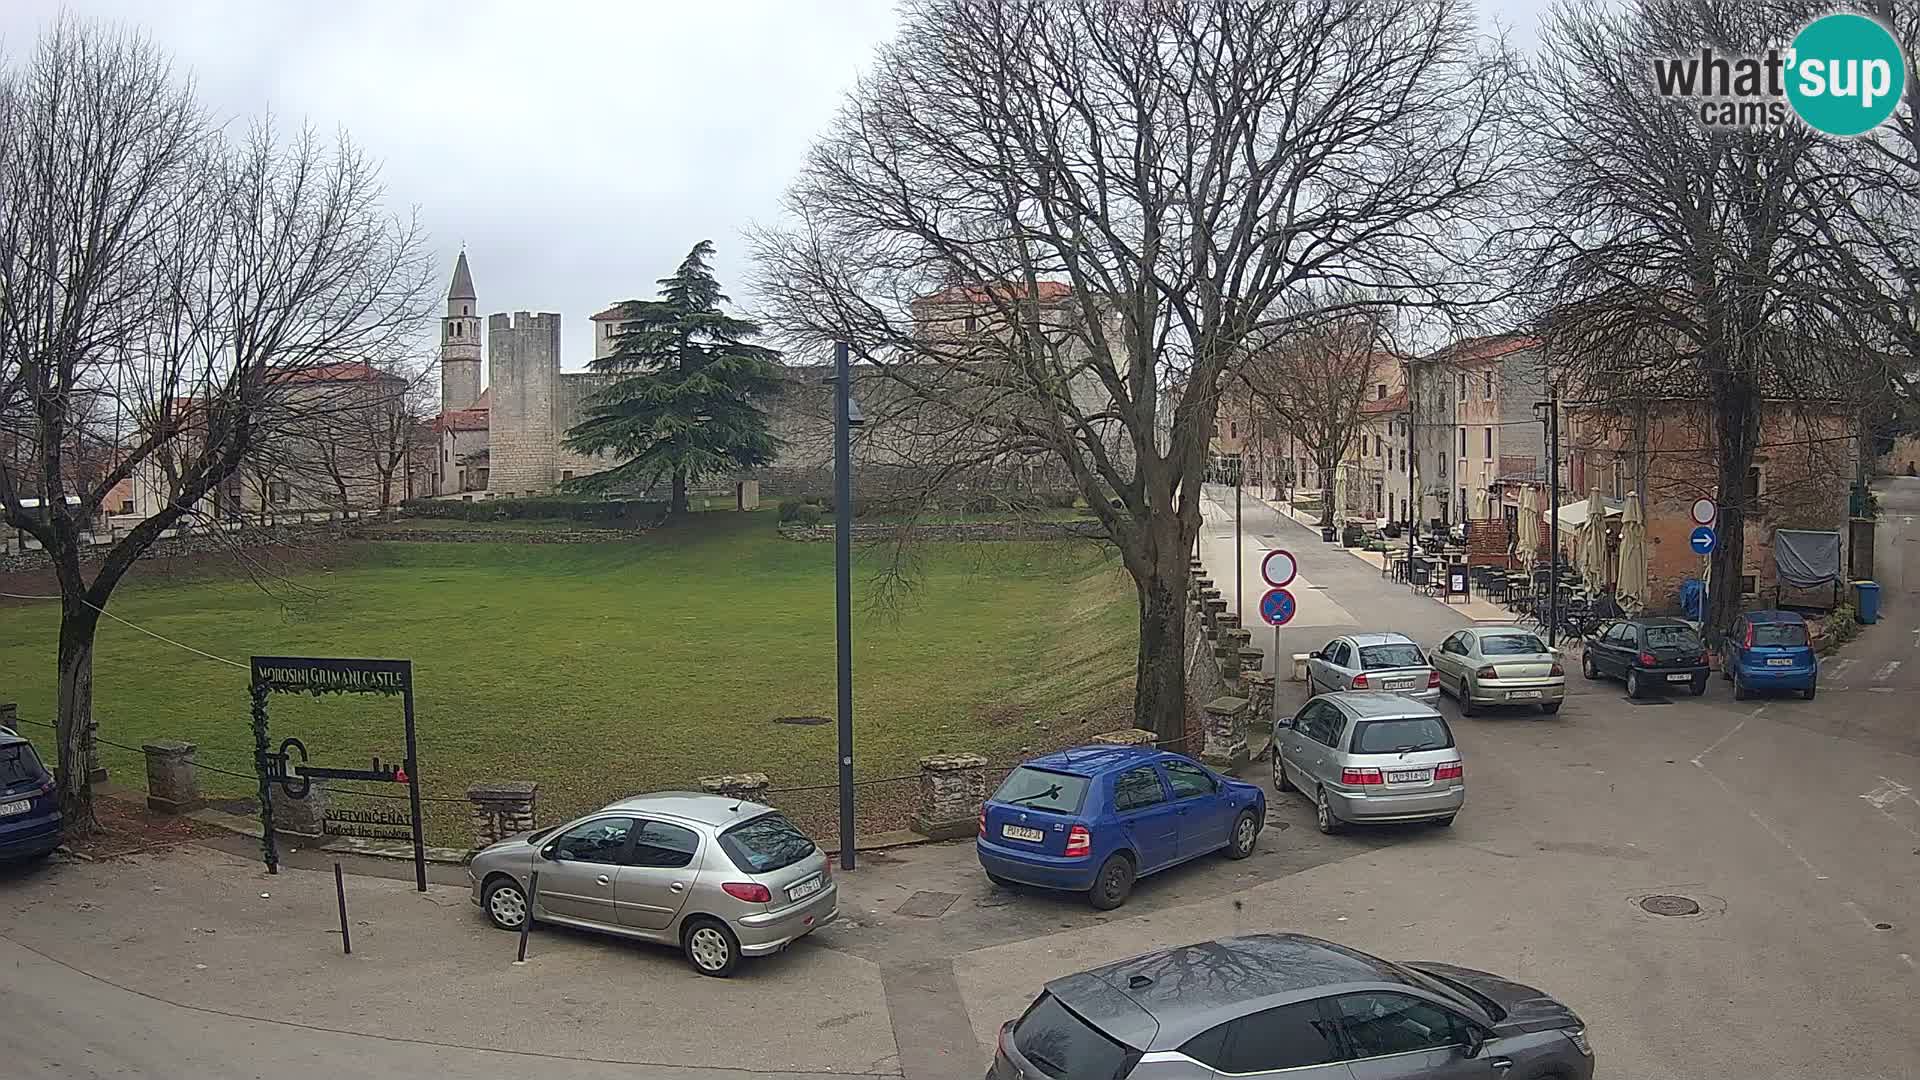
(752, 786)
(953, 787)
(1132, 736)
(173, 780)
(304, 818)
(1259, 701)
(1225, 745)
(1251, 660)
(501, 809)
(1216, 606)
(1229, 621)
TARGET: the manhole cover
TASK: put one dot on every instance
(927, 905)
(808, 721)
(1670, 905)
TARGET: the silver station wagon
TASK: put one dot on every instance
(717, 877)
(1366, 756)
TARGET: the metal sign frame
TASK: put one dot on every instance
(330, 675)
(1292, 565)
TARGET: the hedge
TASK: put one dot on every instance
(630, 513)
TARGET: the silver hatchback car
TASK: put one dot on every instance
(715, 876)
(1366, 757)
(1386, 661)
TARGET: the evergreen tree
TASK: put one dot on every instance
(684, 404)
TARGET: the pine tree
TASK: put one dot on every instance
(684, 405)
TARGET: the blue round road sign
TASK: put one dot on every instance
(1703, 540)
(1277, 607)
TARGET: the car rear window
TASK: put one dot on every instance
(1377, 657)
(1511, 645)
(1060, 1044)
(765, 844)
(1673, 637)
(1394, 736)
(1779, 634)
(18, 765)
(1043, 790)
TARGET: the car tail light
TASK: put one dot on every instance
(1486, 673)
(826, 874)
(1360, 777)
(1360, 681)
(1647, 660)
(1452, 770)
(1556, 670)
(47, 786)
(1079, 841)
(749, 891)
(1433, 680)
(983, 821)
(1749, 640)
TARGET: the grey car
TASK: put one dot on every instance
(715, 876)
(1369, 757)
(1388, 661)
(1294, 1006)
(1500, 665)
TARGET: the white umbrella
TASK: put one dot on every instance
(1631, 587)
(1593, 542)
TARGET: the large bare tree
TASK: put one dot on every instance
(165, 295)
(1061, 222)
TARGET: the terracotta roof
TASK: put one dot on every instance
(974, 294)
(617, 311)
(485, 401)
(463, 420)
(1395, 402)
(1477, 349)
(346, 371)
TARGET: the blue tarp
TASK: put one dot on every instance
(1692, 592)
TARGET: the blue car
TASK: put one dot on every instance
(1096, 818)
(29, 809)
(1769, 650)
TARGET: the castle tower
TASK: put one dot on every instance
(460, 343)
(523, 438)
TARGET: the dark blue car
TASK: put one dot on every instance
(1095, 818)
(1770, 650)
(29, 809)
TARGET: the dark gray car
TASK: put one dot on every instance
(1291, 1005)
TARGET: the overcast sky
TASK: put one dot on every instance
(577, 149)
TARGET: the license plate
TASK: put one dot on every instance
(1400, 684)
(805, 889)
(1016, 832)
(1679, 678)
(1522, 695)
(1422, 776)
(18, 806)
(1779, 661)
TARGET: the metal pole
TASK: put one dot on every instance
(843, 588)
(1238, 592)
(526, 921)
(413, 789)
(1413, 468)
(340, 890)
(1553, 516)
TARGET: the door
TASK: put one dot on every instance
(578, 868)
(653, 885)
(1735, 646)
(1392, 1036)
(1329, 672)
(1147, 816)
(1449, 663)
(1299, 1041)
(1322, 728)
(1199, 810)
(1616, 646)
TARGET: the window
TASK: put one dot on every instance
(1462, 394)
(1619, 634)
(1489, 437)
(1779, 634)
(765, 844)
(464, 310)
(1380, 1023)
(1749, 585)
(1321, 722)
(1043, 790)
(278, 492)
(1487, 394)
(126, 506)
(1289, 1037)
(1336, 653)
(1188, 779)
(1136, 788)
(598, 841)
(666, 846)
(1443, 468)
(1673, 637)
(1062, 1045)
(1463, 442)
(1511, 645)
(566, 475)
(1379, 391)
(1393, 736)
(1383, 657)
(18, 765)
(445, 454)
(1233, 428)
(1455, 645)
(973, 323)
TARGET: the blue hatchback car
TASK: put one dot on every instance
(1769, 650)
(29, 808)
(1096, 818)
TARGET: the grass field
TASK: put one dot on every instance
(602, 670)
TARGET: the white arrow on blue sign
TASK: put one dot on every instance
(1703, 540)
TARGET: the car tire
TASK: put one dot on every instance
(1550, 708)
(1698, 687)
(1467, 707)
(1246, 831)
(1280, 781)
(1633, 683)
(1112, 884)
(1003, 882)
(1587, 669)
(500, 899)
(710, 947)
(1740, 691)
(1323, 816)
(1807, 694)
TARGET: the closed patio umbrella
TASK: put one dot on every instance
(1593, 542)
(1527, 543)
(1631, 580)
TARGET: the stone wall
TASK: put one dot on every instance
(198, 543)
(523, 358)
(959, 531)
(501, 536)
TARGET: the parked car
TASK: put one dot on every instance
(1500, 665)
(1388, 661)
(718, 877)
(29, 805)
(1648, 654)
(1294, 1006)
(1366, 757)
(1770, 650)
(1095, 819)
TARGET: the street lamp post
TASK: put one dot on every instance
(846, 415)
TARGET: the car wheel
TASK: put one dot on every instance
(1808, 693)
(1740, 691)
(1005, 883)
(1246, 829)
(1633, 683)
(1550, 708)
(1113, 884)
(1467, 707)
(1323, 815)
(1587, 668)
(1445, 822)
(711, 948)
(1280, 781)
(505, 903)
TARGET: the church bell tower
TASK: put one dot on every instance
(460, 343)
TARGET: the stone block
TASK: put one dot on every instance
(1299, 667)
(1251, 659)
(1259, 701)
(751, 787)
(173, 779)
(1224, 744)
(953, 788)
(1229, 620)
(501, 809)
(304, 818)
(1132, 736)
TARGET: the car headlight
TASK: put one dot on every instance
(1579, 1037)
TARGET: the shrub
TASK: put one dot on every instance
(789, 510)
(807, 514)
(1061, 500)
(1842, 626)
(622, 513)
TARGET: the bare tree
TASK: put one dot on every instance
(165, 295)
(1059, 223)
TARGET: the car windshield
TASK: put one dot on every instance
(1376, 657)
(1446, 987)
(18, 765)
(765, 844)
(1778, 634)
(1060, 1044)
(1043, 790)
(1672, 637)
(1511, 645)
(1397, 736)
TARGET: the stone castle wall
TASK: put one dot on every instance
(524, 438)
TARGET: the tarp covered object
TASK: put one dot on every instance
(1805, 558)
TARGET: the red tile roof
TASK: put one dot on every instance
(463, 420)
(1479, 349)
(974, 294)
(345, 371)
(1395, 402)
(617, 311)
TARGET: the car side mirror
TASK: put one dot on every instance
(548, 851)
(1285, 722)
(1316, 655)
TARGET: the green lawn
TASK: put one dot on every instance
(602, 670)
